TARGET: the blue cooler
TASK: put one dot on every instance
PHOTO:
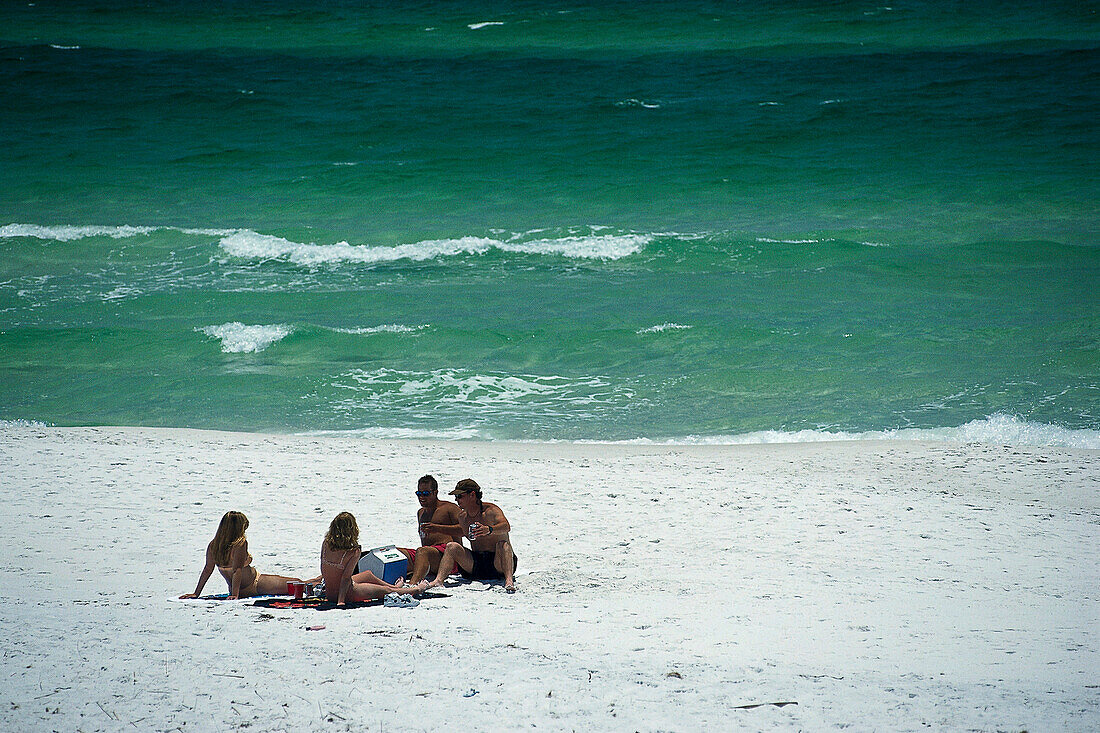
(387, 563)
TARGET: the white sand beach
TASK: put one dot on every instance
(878, 585)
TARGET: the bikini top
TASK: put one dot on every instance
(343, 558)
(230, 567)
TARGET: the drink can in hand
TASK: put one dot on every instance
(473, 529)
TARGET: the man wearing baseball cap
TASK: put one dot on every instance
(490, 556)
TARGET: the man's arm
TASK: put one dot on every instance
(499, 522)
(494, 524)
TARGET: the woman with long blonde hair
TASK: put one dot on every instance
(228, 552)
(340, 554)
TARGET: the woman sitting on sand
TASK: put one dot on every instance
(340, 556)
(228, 551)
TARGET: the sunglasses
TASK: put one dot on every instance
(424, 493)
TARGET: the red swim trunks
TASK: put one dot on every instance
(441, 548)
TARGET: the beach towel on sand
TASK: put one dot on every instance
(321, 604)
(221, 597)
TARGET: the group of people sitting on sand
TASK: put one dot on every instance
(442, 526)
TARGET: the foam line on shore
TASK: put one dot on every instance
(998, 429)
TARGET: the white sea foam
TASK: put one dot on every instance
(385, 328)
(246, 243)
(68, 233)
(1011, 430)
(458, 393)
(23, 424)
(454, 385)
(206, 232)
(237, 338)
(250, 244)
(664, 327)
(383, 433)
(484, 24)
(72, 232)
(64, 48)
(633, 102)
(121, 293)
(768, 240)
(593, 246)
(998, 429)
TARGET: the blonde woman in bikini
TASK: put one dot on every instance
(340, 556)
(228, 552)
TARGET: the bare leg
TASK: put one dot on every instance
(369, 591)
(427, 560)
(410, 557)
(273, 585)
(368, 578)
(456, 554)
(505, 563)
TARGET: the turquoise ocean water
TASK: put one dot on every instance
(670, 221)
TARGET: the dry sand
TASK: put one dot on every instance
(879, 585)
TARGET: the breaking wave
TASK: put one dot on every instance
(385, 328)
(664, 327)
(237, 338)
(252, 245)
(593, 243)
(998, 429)
(72, 232)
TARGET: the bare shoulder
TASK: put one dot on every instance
(493, 510)
(340, 558)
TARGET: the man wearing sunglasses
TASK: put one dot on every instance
(439, 524)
